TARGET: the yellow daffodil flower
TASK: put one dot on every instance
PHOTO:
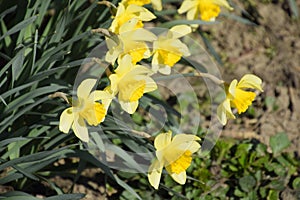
(157, 5)
(173, 154)
(131, 82)
(168, 50)
(125, 14)
(207, 9)
(85, 109)
(129, 41)
(238, 97)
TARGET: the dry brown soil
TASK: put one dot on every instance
(270, 50)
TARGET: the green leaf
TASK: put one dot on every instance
(17, 195)
(247, 183)
(279, 142)
(19, 26)
(239, 19)
(294, 8)
(210, 47)
(17, 65)
(66, 197)
(273, 195)
(296, 183)
(31, 157)
(179, 22)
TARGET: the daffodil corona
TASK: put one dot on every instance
(85, 109)
(130, 82)
(238, 96)
(207, 9)
(168, 50)
(175, 154)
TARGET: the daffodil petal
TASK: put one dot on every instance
(180, 31)
(221, 114)
(142, 35)
(185, 138)
(129, 107)
(99, 95)
(154, 173)
(85, 88)
(186, 5)
(250, 81)
(144, 14)
(186, 142)
(157, 5)
(138, 73)
(114, 81)
(162, 140)
(129, 26)
(179, 178)
(150, 83)
(232, 88)
(166, 70)
(80, 129)
(125, 65)
(66, 120)
(224, 111)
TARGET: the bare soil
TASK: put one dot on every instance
(270, 50)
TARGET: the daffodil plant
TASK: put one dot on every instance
(128, 44)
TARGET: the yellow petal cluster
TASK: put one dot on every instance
(175, 154)
(131, 42)
(168, 49)
(85, 109)
(208, 10)
(238, 96)
(127, 13)
(130, 82)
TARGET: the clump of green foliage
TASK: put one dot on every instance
(237, 169)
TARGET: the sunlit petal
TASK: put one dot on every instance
(224, 111)
(186, 5)
(154, 173)
(250, 81)
(85, 88)
(80, 129)
(129, 107)
(180, 31)
(179, 178)
(157, 5)
(162, 140)
(232, 88)
(66, 120)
